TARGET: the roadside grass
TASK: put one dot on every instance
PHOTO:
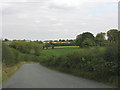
(8, 71)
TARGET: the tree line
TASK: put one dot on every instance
(87, 39)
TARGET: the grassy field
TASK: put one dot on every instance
(61, 50)
(59, 47)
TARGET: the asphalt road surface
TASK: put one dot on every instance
(38, 76)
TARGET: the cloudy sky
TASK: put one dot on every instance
(56, 19)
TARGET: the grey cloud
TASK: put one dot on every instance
(45, 20)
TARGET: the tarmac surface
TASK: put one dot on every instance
(38, 76)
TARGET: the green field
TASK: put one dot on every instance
(59, 47)
(63, 50)
(60, 50)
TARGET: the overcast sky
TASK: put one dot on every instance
(56, 19)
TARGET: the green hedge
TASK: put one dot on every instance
(87, 60)
(11, 56)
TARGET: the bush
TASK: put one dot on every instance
(27, 47)
(89, 61)
(9, 55)
(111, 53)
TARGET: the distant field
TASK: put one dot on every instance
(62, 50)
(66, 47)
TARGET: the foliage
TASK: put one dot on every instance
(113, 35)
(47, 45)
(100, 39)
(85, 38)
(79, 40)
(11, 56)
(111, 53)
(6, 39)
(95, 62)
(88, 42)
(27, 47)
(88, 60)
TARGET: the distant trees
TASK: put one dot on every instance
(87, 35)
(39, 42)
(60, 40)
(88, 39)
(6, 39)
(63, 40)
(85, 39)
(46, 45)
(88, 42)
(56, 41)
(113, 35)
(100, 39)
(79, 40)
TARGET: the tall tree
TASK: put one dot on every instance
(79, 40)
(113, 35)
(6, 39)
(82, 37)
(100, 39)
(88, 42)
(87, 35)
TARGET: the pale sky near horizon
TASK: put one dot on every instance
(56, 19)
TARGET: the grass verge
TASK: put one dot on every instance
(8, 71)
